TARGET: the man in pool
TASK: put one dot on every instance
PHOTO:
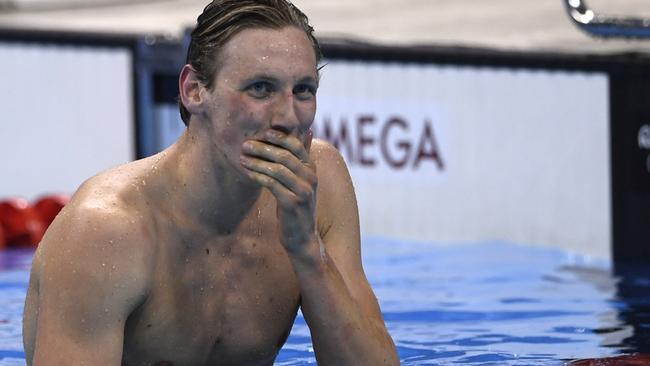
(202, 254)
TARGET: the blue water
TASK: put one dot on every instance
(484, 304)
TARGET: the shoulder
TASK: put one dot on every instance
(108, 205)
(334, 181)
(89, 273)
(336, 198)
(99, 229)
(329, 162)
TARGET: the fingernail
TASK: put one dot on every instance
(248, 146)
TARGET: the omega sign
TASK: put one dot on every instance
(395, 142)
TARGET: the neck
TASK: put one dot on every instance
(207, 189)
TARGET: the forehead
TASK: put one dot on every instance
(285, 50)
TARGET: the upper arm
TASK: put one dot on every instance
(87, 278)
(338, 224)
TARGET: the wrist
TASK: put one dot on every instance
(310, 258)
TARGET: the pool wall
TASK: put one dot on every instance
(77, 121)
(443, 143)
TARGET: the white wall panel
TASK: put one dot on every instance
(67, 113)
(525, 153)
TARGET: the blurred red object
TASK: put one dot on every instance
(627, 360)
(20, 222)
(3, 240)
(49, 206)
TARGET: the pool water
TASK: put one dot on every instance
(480, 304)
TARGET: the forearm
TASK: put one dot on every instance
(342, 334)
(344, 331)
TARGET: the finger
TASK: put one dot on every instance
(289, 142)
(276, 171)
(282, 194)
(279, 155)
(309, 138)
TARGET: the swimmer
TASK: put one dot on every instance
(203, 253)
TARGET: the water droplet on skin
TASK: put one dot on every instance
(103, 264)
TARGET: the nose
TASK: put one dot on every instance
(285, 118)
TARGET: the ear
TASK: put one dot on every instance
(191, 90)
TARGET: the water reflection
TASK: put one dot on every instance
(626, 327)
(613, 329)
(633, 287)
(16, 259)
(484, 304)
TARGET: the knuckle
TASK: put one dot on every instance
(268, 169)
(312, 179)
(293, 200)
(304, 195)
(285, 172)
(284, 155)
(263, 179)
(295, 145)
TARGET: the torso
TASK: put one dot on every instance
(225, 300)
(212, 299)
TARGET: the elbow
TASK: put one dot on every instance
(390, 355)
(392, 358)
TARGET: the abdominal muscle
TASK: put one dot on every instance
(226, 302)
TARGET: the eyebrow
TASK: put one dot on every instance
(266, 77)
(309, 79)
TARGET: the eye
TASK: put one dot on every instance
(261, 89)
(304, 91)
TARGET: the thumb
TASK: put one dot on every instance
(308, 139)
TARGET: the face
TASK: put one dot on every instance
(265, 79)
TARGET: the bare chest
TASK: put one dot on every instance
(229, 303)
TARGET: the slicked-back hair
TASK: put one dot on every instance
(222, 19)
